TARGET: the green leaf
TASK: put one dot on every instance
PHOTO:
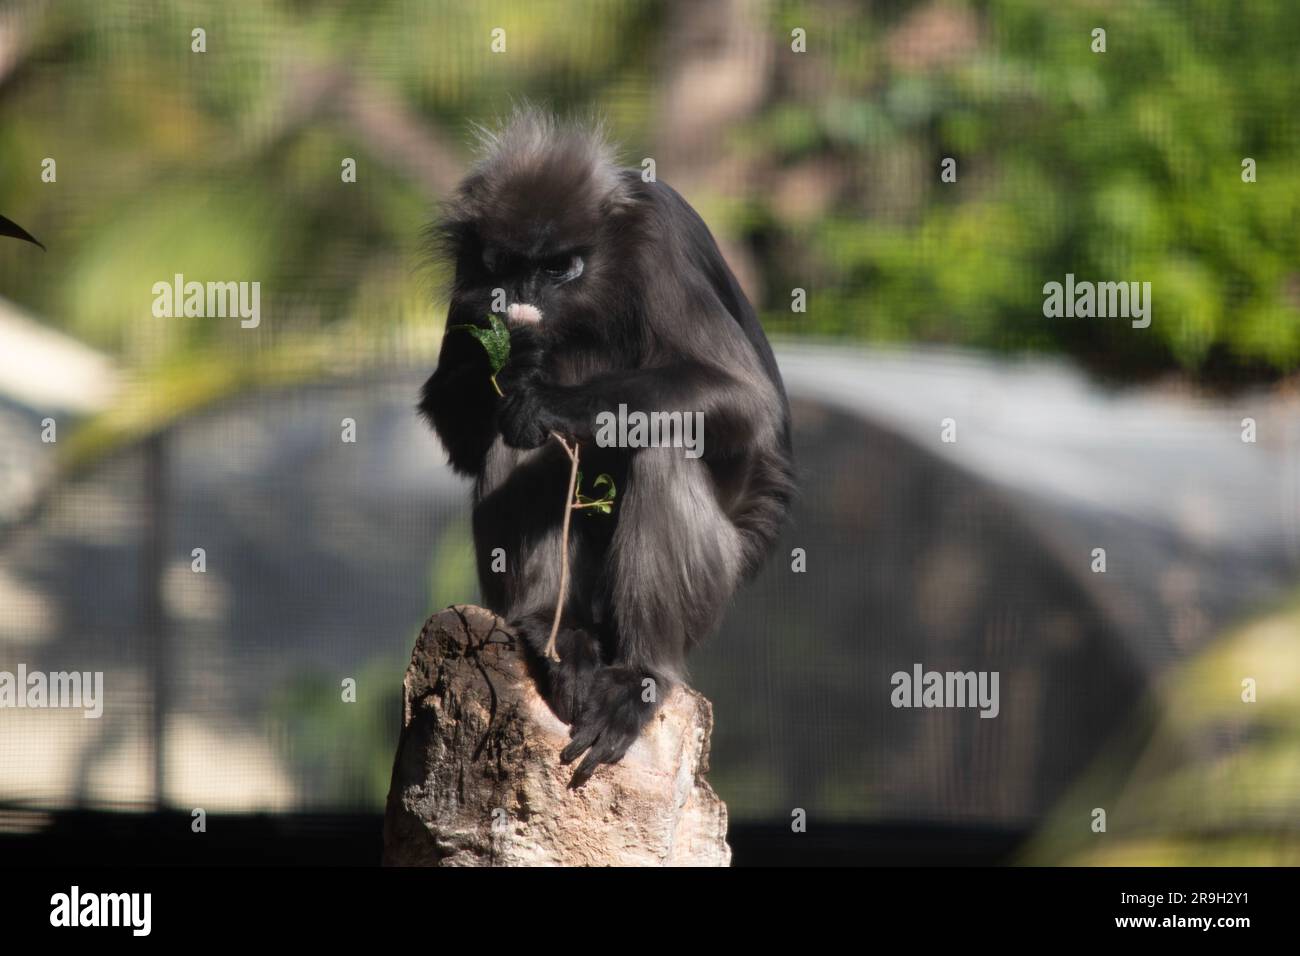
(604, 504)
(495, 341)
(604, 479)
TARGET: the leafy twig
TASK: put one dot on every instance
(495, 340)
(604, 504)
(572, 452)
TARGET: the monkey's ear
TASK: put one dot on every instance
(10, 228)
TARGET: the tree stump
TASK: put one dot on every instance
(477, 780)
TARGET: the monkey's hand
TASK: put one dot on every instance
(522, 418)
(619, 704)
(527, 353)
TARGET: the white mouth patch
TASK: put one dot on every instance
(523, 312)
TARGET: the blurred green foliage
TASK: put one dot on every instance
(1122, 165)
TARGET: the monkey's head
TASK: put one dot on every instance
(533, 219)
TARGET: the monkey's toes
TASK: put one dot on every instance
(609, 723)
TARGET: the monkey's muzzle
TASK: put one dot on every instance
(523, 312)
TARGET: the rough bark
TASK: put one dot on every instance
(477, 779)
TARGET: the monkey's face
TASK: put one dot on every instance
(536, 283)
(537, 250)
(534, 227)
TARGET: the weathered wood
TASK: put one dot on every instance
(477, 780)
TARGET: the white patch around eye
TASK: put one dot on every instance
(523, 312)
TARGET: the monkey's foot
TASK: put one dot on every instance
(619, 704)
(564, 684)
(569, 680)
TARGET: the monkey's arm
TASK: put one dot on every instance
(739, 407)
(459, 402)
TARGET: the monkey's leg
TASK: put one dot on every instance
(520, 521)
(673, 564)
(565, 684)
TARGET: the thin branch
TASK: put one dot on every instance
(572, 452)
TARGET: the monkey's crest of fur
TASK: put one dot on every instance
(539, 175)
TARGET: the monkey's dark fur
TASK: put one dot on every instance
(638, 308)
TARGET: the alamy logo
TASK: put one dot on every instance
(216, 300)
(1104, 300)
(60, 689)
(103, 909)
(922, 688)
(651, 430)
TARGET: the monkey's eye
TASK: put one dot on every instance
(492, 259)
(563, 268)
